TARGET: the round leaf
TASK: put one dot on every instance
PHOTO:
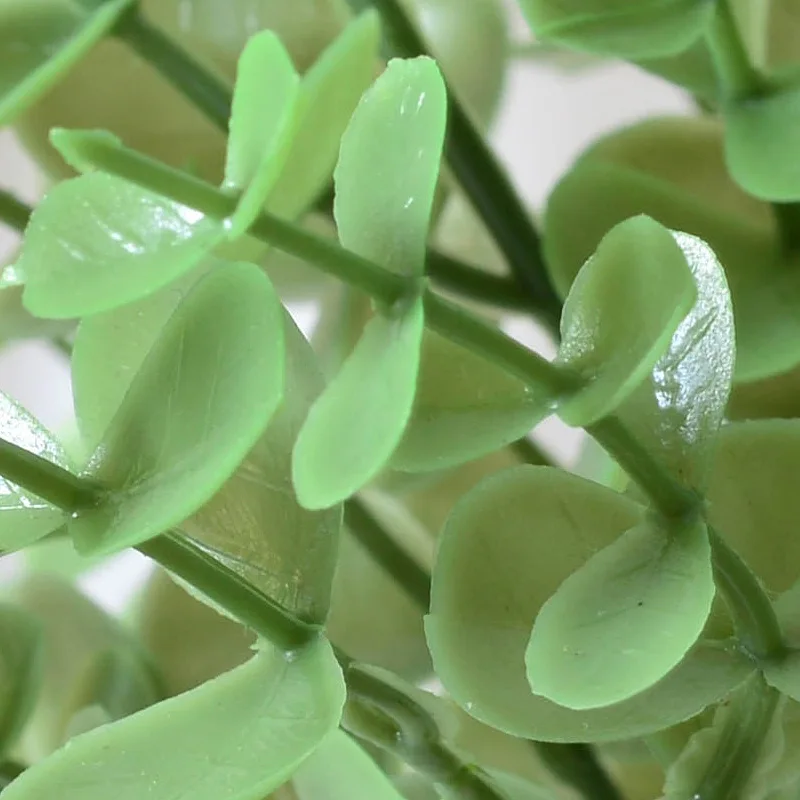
(389, 165)
(649, 28)
(639, 270)
(624, 619)
(358, 421)
(200, 401)
(236, 737)
(42, 40)
(98, 242)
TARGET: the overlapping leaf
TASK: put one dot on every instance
(239, 736)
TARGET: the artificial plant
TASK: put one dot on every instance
(370, 582)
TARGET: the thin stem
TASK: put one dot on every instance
(233, 593)
(529, 452)
(211, 95)
(788, 217)
(578, 767)
(14, 212)
(388, 554)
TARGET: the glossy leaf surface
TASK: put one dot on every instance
(24, 517)
(42, 40)
(649, 28)
(277, 711)
(200, 401)
(389, 164)
(638, 268)
(623, 620)
(340, 770)
(358, 421)
(97, 242)
(497, 565)
(262, 123)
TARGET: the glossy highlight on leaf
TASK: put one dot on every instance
(389, 165)
(624, 619)
(638, 269)
(202, 398)
(276, 712)
(358, 421)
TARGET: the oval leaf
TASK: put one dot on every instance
(202, 398)
(639, 270)
(97, 242)
(623, 620)
(358, 421)
(389, 165)
(237, 737)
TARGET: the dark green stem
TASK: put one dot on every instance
(210, 94)
(484, 181)
(230, 591)
(14, 212)
(578, 767)
(9, 771)
(529, 452)
(387, 553)
(788, 217)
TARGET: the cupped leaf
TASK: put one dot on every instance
(497, 565)
(202, 398)
(42, 40)
(238, 736)
(389, 165)
(621, 314)
(624, 619)
(21, 668)
(340, 770)
(358, 421)
(760, 136)
(24, 517)
(329, 93)
(263, 120)
(673, 170)
(692, 69)
(97, 242)
(649, 28)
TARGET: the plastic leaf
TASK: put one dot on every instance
(760, 136)
(340, 770)
(42, 40)
(624, 619)
(97, 242)
(20, 672)
(358, 421)
(650, 28)
(497, 565)
(620, 315)
(200, 401)
(24, 517)
(263, 119)
(329, 93)
(389, 165)
(239, 737)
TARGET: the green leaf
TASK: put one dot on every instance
(639, 270)
(21, 667)
(239, 737)
(784, 672)
(329, 93)
(202, 398)
(262, 124)
(24, 517)
(41, 40)
(624, 619)
(340, 770)
(649, 28)
(497, 566)
(760, 138)
(97, 242)
(356, 424)
(389, 165)
(692, 69)
(674, 171)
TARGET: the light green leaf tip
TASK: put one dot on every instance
(389, 165)
(624, 619)
(620, 315)
(262, 124)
